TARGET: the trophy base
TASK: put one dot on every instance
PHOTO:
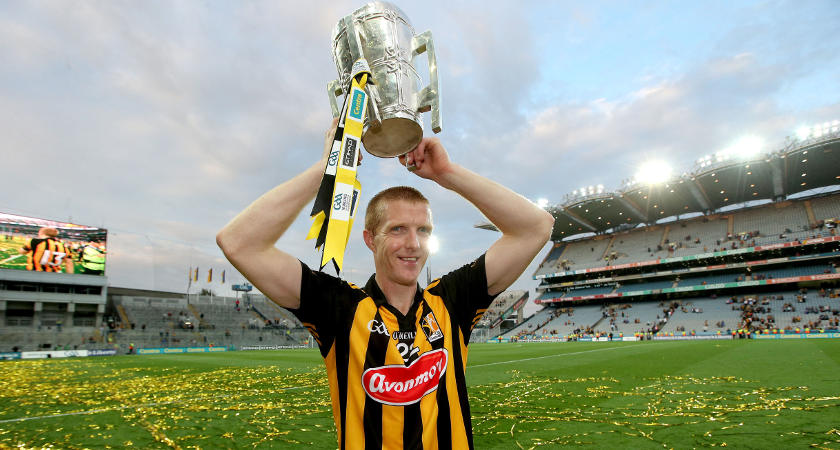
(394, 137)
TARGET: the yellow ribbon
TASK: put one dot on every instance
(333, 215)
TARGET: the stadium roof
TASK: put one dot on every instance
(802, 165)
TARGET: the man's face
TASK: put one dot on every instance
(400, 244)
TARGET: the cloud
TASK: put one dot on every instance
(164, 120)
(567, 145)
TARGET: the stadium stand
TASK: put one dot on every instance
(728, 248)
(825, 208)
(572, 321)
(646, 285)
(583, 254)
(505, 312)
(772, 220)
(591, 291)
(630, 318)
(552, 261)
(630, 246)
(765, 225)
(698, 235)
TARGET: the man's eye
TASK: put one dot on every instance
(424, 230)
(397, 229)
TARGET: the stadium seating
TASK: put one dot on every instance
(501, 304)
(793, 271)
(711, 278)
(531, 324)
(584, 254)
(771, 220)
(645, 312)
(826, 208)
(581, 317)
(659, 284)
(775, 223)
(552, 261)
(589, 291)
(707, 230)
(702, 316)
(630, 246)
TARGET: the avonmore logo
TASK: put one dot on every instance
(400, 385)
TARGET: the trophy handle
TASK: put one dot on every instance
(373, 117)
(333, 91)
(428, 99)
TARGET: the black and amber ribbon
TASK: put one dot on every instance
(338, 196)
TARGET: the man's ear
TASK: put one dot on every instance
(368, 239)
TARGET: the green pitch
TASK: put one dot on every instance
(738, 394)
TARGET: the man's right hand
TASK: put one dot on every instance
(329, 138)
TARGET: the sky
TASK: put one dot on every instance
(161, 120)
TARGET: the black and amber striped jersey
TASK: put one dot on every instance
(396, 381)
(45, 255)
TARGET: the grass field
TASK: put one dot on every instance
(679, 394)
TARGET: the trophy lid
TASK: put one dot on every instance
(370, 9)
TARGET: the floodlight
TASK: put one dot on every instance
(434, 244)
(542, 202)
(653, 172)
(747, 147)
(803, 132)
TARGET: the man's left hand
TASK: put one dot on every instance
(428, 160)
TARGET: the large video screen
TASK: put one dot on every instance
(29, 243)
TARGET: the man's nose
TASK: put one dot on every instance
(412, 239)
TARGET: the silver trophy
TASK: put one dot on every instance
(382, 34)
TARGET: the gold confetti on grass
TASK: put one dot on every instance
(660, 410)
(160, 407)
(273, 407)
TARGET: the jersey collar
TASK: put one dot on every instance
(372, 289)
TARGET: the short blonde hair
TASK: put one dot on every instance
(375, 212)
(49, 232)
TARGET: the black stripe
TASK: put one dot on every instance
(412, 426)
(444, 427)
(342, 361)
(374, 357)
(460, 381)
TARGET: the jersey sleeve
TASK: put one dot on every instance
(465, 289)
(325, 303)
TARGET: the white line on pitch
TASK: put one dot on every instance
(119, 408)
(543, 357)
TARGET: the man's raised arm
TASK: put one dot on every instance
(248, 240)
(525, 227)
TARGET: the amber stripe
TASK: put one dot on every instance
(359, 337)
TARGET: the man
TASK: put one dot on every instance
(46, 253)
(91, 258)
(395, 353)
